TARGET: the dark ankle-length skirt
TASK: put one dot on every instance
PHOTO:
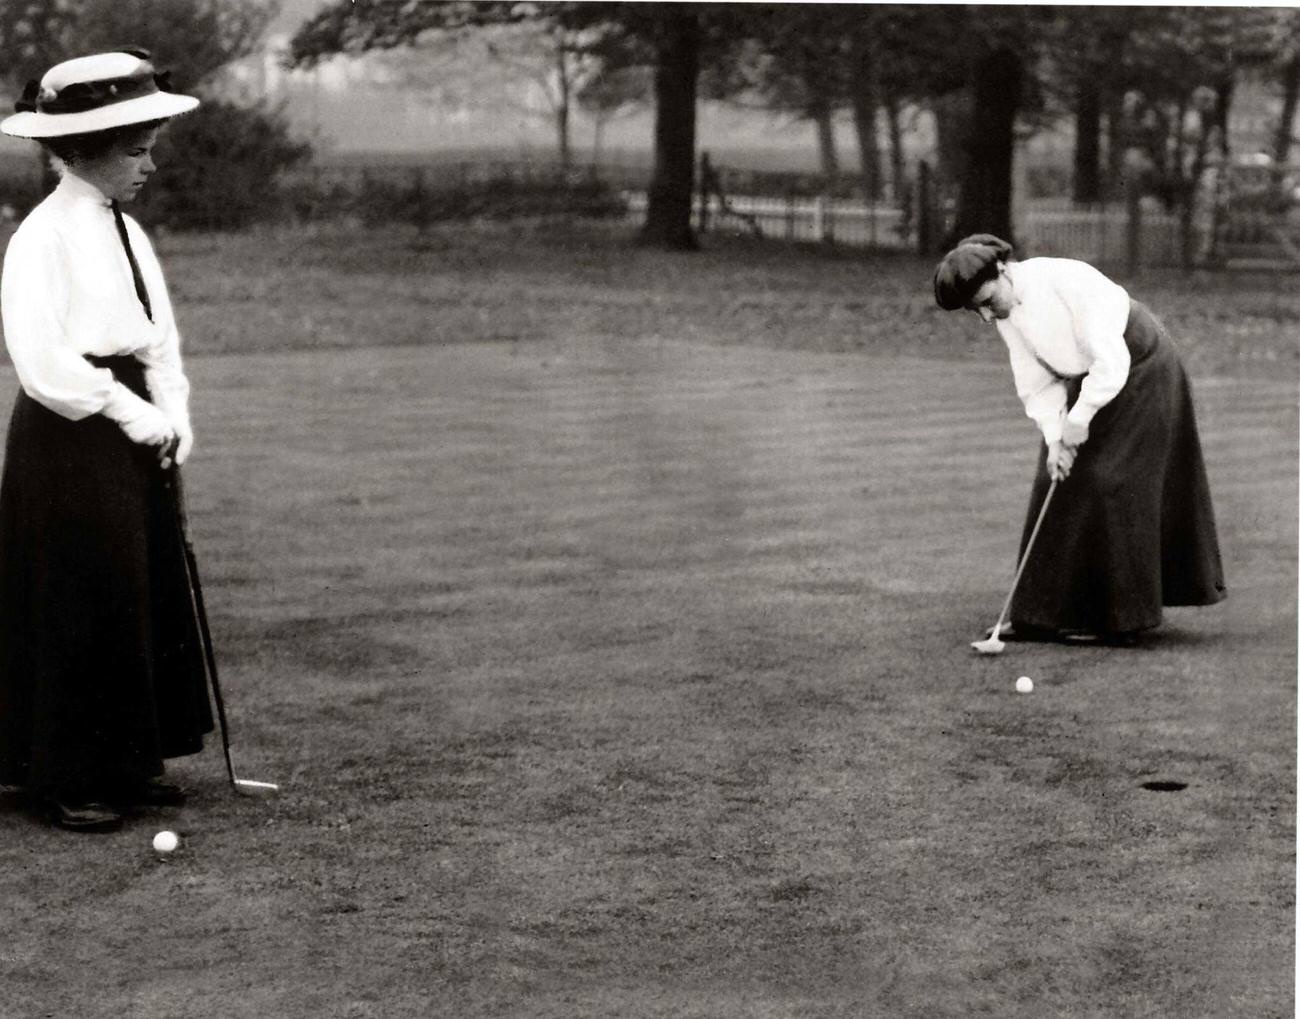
(1132, 528)
(101, 674)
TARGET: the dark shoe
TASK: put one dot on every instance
(84, 815)
(152, 793)
(1126, 638)
(1021, 632)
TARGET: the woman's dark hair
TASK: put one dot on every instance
(78, 148)
(967, 267)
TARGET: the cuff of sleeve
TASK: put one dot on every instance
(1051, 428)
(1082, 413)
(123, 405)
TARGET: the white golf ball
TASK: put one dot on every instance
(1024, 685)
(165, 841)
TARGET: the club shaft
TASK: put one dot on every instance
(199, 612)
(1024, 558)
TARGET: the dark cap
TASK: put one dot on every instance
(966, 268)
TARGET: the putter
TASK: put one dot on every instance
(993, 644)
(243, 786)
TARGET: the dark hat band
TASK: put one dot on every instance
(84, 96)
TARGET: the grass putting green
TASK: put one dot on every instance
(615, 672)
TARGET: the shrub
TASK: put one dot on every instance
(219, 168)
(416, 197)
(20, 183)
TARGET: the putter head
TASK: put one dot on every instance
(993, 644)
(250, 787)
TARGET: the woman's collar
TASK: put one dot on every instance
(79, 189)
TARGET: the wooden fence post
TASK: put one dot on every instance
(702, 206)
(819, 218)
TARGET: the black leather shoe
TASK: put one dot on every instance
(1121, 638)
(84, 815)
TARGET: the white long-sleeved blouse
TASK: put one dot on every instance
(67, 291)
(1069, 321)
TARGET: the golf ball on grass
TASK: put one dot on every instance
(1024, 685)
(165, 841)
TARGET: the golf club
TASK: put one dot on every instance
(993, 645)
(243, 786)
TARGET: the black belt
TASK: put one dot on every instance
(113, 361)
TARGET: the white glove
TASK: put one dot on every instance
(184, 441)
(175, 404)
(1060, 458)
(1073, 433)
(141, 420)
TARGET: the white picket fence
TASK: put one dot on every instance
(1099, 233)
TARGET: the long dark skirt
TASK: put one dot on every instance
(1132, 528)
(101, 675)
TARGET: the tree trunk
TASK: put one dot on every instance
(822, 118)
(897, 168)
(564, 87)
(677, 65)
(1286, 119)
(1116, 143)
(866, 101)
(1222, 109)
(864, 124)
(952, 124)
(985, 203)
(1087, 143)
(562, 135)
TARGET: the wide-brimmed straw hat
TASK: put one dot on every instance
(95, 93)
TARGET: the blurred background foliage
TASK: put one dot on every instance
(218, 167)
(1144, 95)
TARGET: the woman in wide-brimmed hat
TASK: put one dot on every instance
(101, 677)
(1132, 529)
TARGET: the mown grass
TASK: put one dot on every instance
(552, 279)
(605, 614)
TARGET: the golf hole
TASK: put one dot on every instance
(1165, 786)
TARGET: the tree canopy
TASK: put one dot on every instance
(193, 38)
(1160, 79)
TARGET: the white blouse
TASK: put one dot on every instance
(1069, 321)
(67, 290)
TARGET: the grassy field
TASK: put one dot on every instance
(605, 615)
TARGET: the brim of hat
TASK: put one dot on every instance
(159, 106)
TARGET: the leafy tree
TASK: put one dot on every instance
(667, 37)
(216, 165)
(993, 52)
(32, 37)
(193, 38)
(610, 93)
(1086, 72)
(797, 62)
(1285, 62)
(900, 59)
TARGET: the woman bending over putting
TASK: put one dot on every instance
(1133, 529)
(101, 675)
